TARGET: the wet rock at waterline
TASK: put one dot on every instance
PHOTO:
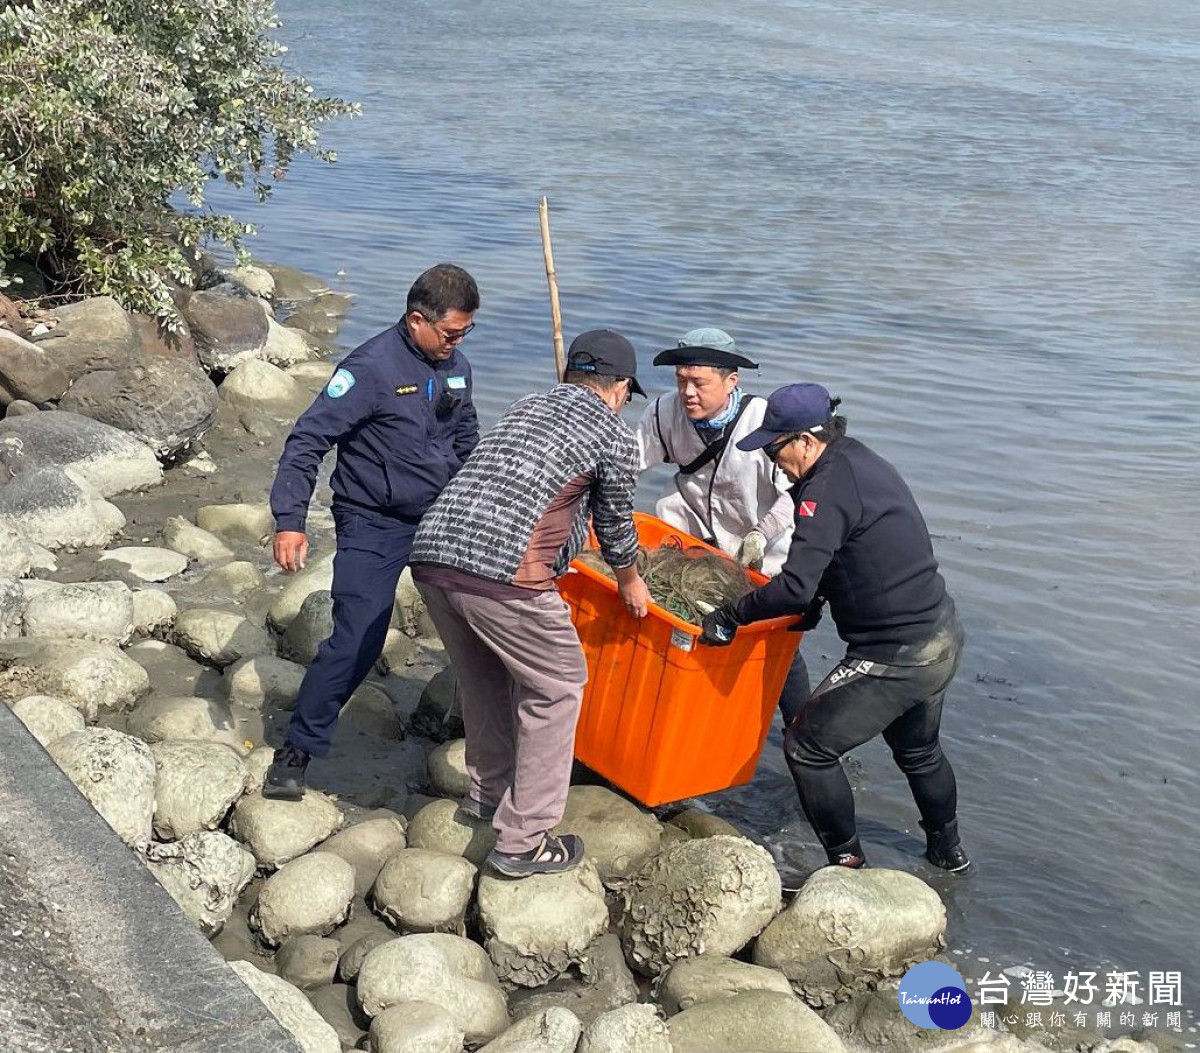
(287, 346)
(48, 719)
(712, 895)
(598, 982)
(536, 928)
(289, 1006)
(92, 677)
(197, 784)
(104, 458)
(708, 977)
(292, 285)
(228, 329)
(257, 281)
(204, 873)
(279, 831)
(752, 1022)
(422, 891)
(448, 971)
(848, 929)
(165, 402)
(628, 1029)
(54, 509)
(265, 388)
(115, 772)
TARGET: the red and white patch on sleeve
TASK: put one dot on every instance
(808, 509)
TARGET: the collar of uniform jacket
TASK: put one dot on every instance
(402, 329)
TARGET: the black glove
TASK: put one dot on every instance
(811, 618)
(719, 628)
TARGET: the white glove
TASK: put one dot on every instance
(753, 548)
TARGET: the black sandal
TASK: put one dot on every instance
(555, 855)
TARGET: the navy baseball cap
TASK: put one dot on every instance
(797, 407)
(605, 353)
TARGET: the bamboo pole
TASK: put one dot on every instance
(560, 363)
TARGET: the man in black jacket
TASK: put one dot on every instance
(861, 546)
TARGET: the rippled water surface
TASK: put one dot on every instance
(982, 230)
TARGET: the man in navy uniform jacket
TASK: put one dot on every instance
(399, 411)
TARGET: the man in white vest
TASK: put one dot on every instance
(737, 501)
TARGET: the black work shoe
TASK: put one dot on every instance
(554, 855)
(285, 777)
(943, 849)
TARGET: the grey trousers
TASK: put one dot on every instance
(522, 672)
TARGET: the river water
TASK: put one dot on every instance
(980, 225)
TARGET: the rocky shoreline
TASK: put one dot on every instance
(150, 644)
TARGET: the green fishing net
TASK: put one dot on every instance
(688, 582)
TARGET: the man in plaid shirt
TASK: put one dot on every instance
(485, 559)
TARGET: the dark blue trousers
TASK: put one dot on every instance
(372, 551)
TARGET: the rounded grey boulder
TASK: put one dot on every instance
(536, 928)
(317, 575)
(146, 563)
(183, 719)
(187, 539)
(237, 524)
(422, 891)
(307, 961)
(264, 680)
(554, 1030)
(220, 637)
(438, 715)
(228, 329)
(351, 959)
(309, 895)
(312, 625)
(415, 1027)
(166, 402)
(115, 773)
(848, 929)
(752, 1022)
(97, 610)
(55, 509)
(627, 1029)
(618, 835)
(92, 677)
(366, 846)
(710, 896)
(449, 971)
(153, 611)
(256, 385)
(27, 372)
(48, 719)
(708, 977)
(447, 770)
(108, 460)
(204, 873)
(197, 783)
(278, 831)
(238, 580)
(441, 826)
(93, 334)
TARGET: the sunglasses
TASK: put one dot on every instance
(451, 336)
(775, 448)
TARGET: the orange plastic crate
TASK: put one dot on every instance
(665, 717)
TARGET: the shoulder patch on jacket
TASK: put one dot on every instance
(341, 382)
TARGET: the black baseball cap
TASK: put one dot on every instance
(605, 353)
(791, 409)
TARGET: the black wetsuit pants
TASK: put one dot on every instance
(855, 702)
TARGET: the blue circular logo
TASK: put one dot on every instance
(933, 995)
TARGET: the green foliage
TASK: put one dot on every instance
(108, 107)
